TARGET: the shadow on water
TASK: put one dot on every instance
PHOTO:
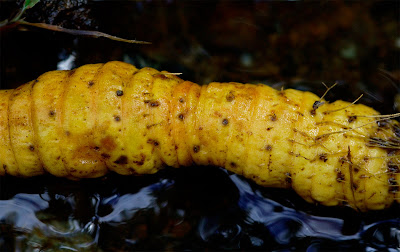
(178, 209)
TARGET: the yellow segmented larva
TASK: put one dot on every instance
(85, 122)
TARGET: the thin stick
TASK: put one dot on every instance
(95, 34)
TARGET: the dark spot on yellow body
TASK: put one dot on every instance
(141, 161)
(196, 148)
(181, 100)
(382, 123)
(90, 83)
(105, 155)
(225, 122)
(352, 119)
(230, 97)
(108, 143)
(31, 148)
(154, 104)
(288, 178)
(269, 128)
(161, 76)
(392, 167)
(323, 157)
(340, 177)
(396, 130)
(233, 164)
(273, 117)
(316, 105)
(120, 93)
(52, 113)
(153, 142)
(393, 185)
(151, 125)
(268, 147)
(121, 160)
(117, 118)
(181, 117)
(71, 72)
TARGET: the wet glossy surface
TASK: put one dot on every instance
(190, 208)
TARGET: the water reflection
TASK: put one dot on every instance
(194, 208)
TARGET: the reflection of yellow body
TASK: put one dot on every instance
(82, 123)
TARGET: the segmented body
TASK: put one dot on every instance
(85, 122)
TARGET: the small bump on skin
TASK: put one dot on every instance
(225, 122)
(268, 147)
(196, 148)
(120, 93)
(181, 100)
(181, 117)
(273, 118)
(90, 83)
(117, 118)
(31, 148)
(52, 113)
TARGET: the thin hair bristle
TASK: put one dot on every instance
(351, 104)
(389, 116)
(327, 90)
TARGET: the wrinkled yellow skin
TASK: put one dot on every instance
(96, 118)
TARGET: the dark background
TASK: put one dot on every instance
(280, 43)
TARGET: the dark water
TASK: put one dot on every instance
(179, 209)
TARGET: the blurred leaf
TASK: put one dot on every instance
(27, 5)
(30, 3)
